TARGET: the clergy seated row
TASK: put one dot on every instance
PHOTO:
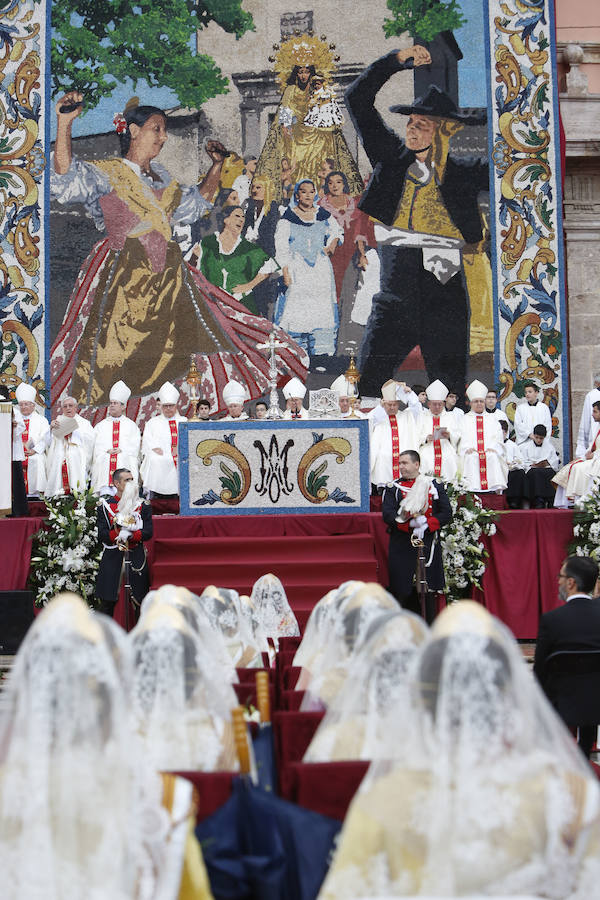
(576, 479)
(470, 445)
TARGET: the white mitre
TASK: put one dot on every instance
(389, 391)
(342, 387)
(119, 392)
(294, 390)
(168, 393)
(477, 391)
(25, 393)
(437, 391)
(234, 392)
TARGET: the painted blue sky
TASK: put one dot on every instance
(472, 87)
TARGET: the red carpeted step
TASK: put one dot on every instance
(248, 549)
(291, 572)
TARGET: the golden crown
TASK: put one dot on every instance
(303, 49)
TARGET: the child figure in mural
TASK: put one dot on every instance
(436, 284)
(299, 134)
(305, 237)
(137, 307)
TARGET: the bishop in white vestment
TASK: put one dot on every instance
(160, 445)
(116, 441)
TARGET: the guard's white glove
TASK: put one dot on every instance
(138, 524)
(124, 535)
(419, 526)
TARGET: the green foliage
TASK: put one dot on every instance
(586, 524)
(422, 19)
(463, 550)
(316, 480)
(231, 481)
(99, 44)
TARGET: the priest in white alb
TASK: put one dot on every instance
(438, 437)
(397, 431)
(33, 437)
(160, 446)
(480, 447)
(343, 389)
(70, 446)
(116, 441)
(576, 478)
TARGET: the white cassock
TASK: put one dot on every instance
(574, 479)
(159, 472)
(512, 454)
(36, 428)
(531, 453)
(527, 416)
(485, 469)
(438, 458)
(112, 433)
(302, 414)
(390, 438)
(75, 451)
(498, 414)
(587, 426)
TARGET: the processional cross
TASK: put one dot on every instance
(274, 412)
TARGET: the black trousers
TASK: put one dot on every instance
(20, 506)
(108, 580)
(413, 307)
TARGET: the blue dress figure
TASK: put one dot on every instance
(305, 237)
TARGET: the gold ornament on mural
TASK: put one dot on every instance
(302, 50)
(236, 483)
(312, 483)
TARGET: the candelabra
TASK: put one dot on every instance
(193, 379)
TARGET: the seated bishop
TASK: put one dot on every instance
(395, 432)
(160, 446)
(294, 393)
(116, 441)
(575, 479)
(343, 389)
(70, 446)
(234, 397)
(438, 436)
(33, 437)
(480, 448)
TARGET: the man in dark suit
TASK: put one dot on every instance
(124, 523)
(399, 507)
(425, 202)
(573, 626)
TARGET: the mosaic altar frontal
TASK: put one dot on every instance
(282, 467)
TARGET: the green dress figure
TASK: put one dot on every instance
(238, 267)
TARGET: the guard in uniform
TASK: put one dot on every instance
(415, 506)
(124, 523)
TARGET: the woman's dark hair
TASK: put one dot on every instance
(224, 213)
(293, 79)
(342, 176)
(137, 115)
(222, 197)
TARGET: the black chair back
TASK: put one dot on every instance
(572, 683)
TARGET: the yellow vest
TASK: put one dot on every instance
(422, 209)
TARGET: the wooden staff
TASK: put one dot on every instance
(421, 573)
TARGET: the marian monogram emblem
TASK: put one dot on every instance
(274, 469)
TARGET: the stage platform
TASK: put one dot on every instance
(313, 553)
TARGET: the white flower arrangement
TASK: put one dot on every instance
(463, 551)
(586, 524)
(66, 553)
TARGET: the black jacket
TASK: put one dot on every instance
(463, 180)
(573, 626)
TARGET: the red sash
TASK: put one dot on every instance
(481, 453)
(437, 450)
(173, 427)
(25, 438)
(65, 478)
(112, 465)
(395, 448)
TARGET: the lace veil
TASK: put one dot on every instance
(490, 795)
(273, 609)
(316, 631)
(181, 710)
(361, 721)
(80, 812)
(223, 611)
(344, 637)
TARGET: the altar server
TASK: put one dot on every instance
(160, 446)
(480, 450)
(116, 441)
(33, 438)
(70, 445)
(531, 413)
(234, 397)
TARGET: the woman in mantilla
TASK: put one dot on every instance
(137, 307)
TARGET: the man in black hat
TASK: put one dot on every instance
(425, 204)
